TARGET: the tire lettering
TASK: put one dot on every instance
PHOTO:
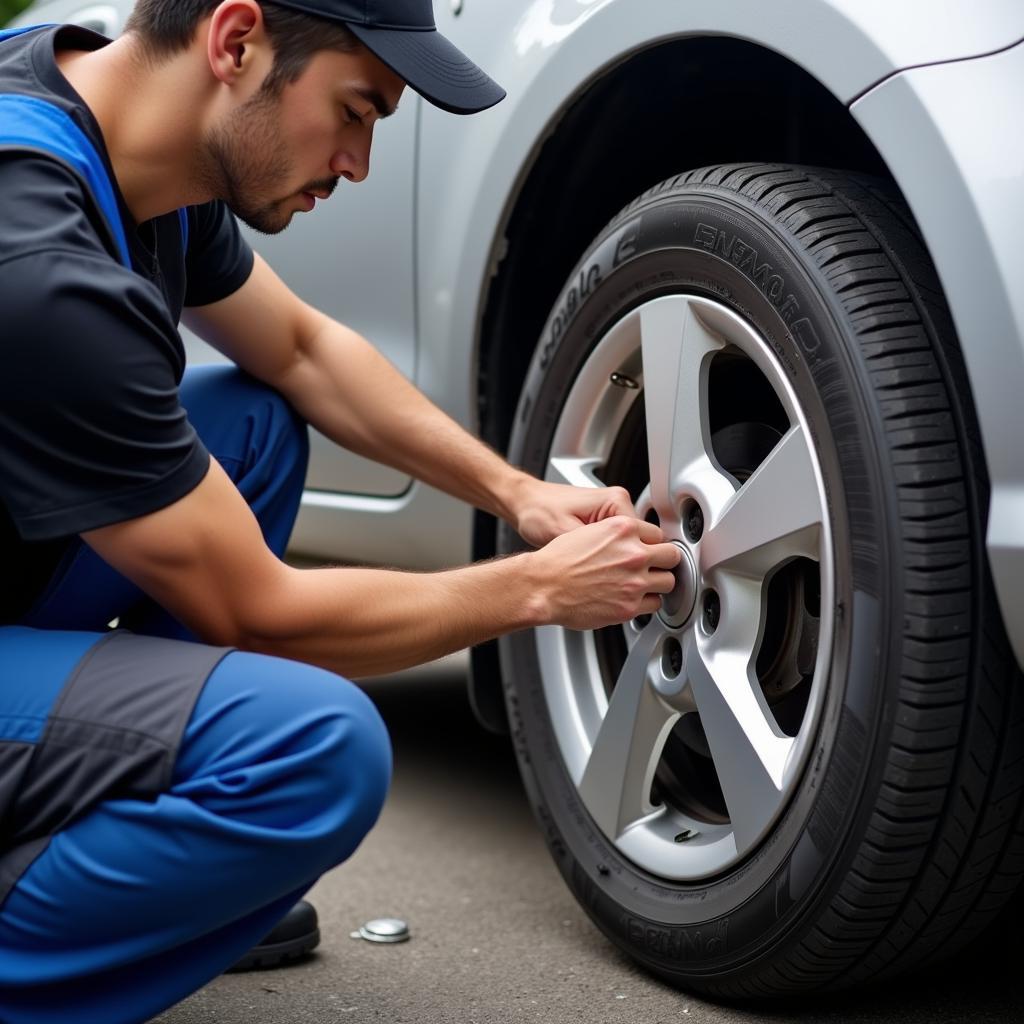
(680, 944)
(761, 273)
(579, 291)
(627, 244)
(788, 308)
(745, 258)
(557, 330)
(807, 336)
(624, 244)
(706, 236)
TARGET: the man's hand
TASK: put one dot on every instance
(604, 573)
(544, 511)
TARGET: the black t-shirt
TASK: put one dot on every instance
(92, 431)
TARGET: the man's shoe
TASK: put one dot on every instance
(295, 935)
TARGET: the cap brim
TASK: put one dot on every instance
(432, 66)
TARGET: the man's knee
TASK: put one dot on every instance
(234, 412)
(288, 747)
(353, 766)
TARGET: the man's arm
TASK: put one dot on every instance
(345, 388)
(203, 558)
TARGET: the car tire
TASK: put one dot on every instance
(805, 772)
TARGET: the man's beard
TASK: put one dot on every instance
(245, 165)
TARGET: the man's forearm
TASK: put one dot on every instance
(369, 621)
(346, 389)
(362, 622)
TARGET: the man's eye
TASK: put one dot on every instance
(351, 116)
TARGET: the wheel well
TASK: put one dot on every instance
(670, 108)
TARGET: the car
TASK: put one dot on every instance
(761, 265)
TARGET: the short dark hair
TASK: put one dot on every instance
(166, 27)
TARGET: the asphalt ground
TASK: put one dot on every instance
(496, 937)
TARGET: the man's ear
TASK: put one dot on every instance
(237, 43)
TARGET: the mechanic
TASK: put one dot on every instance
(170, 788)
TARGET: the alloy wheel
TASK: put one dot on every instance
(685, 733)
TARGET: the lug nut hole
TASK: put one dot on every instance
(672, 658)
(712, 611)
(693, 520)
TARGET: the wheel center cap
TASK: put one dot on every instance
(677, 606)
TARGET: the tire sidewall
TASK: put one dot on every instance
(709, 242)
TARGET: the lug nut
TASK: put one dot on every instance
(712, 611)
(693, 521)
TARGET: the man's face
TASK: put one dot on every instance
(277, 153)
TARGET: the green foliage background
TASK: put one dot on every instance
(9, 8)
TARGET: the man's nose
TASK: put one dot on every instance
(352, 162)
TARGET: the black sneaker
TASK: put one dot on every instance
(295, 935)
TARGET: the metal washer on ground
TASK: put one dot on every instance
(383, 929)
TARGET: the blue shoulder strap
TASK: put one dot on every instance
(9, 33)
(29, 123)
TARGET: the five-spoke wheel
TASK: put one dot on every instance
(671, 734)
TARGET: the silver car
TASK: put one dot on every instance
(762, 265)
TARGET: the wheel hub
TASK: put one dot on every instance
(677, 607)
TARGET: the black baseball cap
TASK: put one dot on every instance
(402, 33)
